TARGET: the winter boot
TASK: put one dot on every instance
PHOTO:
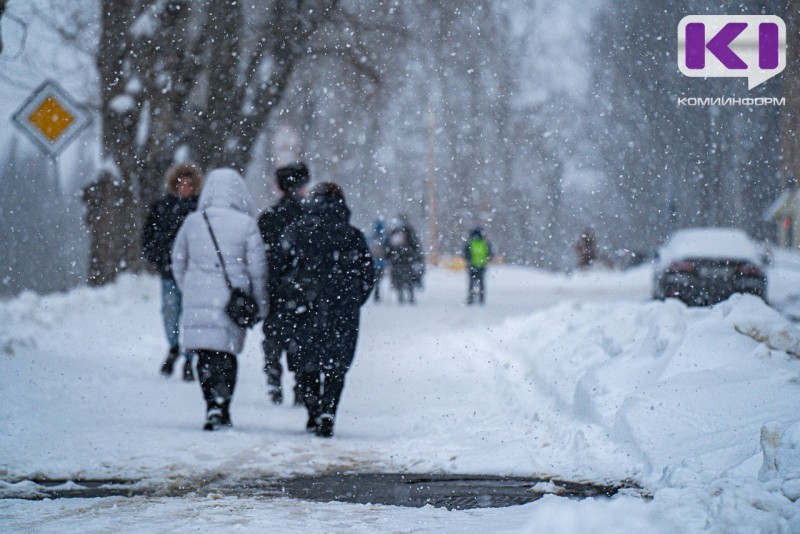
(188, 372)
(226, 415)
(298, 395)
(311, 424)
(325, 426)
(274, 389)
(169, 364)
(274, 385)
(213, 419)
(275, 394)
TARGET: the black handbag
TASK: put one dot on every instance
(242, 308)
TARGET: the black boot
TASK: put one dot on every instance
(298, 395)
(324, 426)
(188, 372)
(275, 394)
(274, 389)
(311, 424)
(169, 364)
(226, 414)
(213, 419)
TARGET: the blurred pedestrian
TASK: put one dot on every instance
(407, 263)
(280, 323)
(223, 226)
(478, 253)
(586, 249)
(329, 261)
(377, 248)
(166, 216)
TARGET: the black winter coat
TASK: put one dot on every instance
(405, 254)
(163, 222)
(272, 224)
(328, 263)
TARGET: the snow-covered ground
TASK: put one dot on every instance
(580, 377)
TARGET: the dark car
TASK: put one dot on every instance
(704, 266)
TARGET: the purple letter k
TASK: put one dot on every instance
(719, 45)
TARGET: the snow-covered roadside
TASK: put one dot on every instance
(576, 376)
(698, 397)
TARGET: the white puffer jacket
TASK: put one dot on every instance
(204, 323)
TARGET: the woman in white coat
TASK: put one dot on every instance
(206, 328)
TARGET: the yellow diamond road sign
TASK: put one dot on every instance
(50, 118)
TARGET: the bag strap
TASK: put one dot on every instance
(219, 254)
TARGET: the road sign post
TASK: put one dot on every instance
(52, 120)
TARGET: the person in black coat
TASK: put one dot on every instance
(332, 275)
(166, 216)
(405, 255)
(279, 323)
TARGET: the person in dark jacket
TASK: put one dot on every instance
(405, 255)
(478, 253)
(586, 249)
(279, 323)
(332, 272)
(166, 216)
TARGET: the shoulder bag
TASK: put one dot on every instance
(242, 308)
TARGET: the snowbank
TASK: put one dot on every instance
(685, 390)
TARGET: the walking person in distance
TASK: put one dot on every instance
(407, 263)
(478, 253)
(377, 248)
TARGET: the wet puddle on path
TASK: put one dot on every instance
(415, 490)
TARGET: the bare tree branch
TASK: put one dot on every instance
(356, 23)
(22, 25)
(352, 57)
(78, 35)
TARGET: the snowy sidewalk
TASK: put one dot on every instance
(579, 377)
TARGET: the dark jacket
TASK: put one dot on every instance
(163, 222)
(328, 263)
(272, 224)
(405, 254)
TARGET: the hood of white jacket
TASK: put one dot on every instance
(225, 188)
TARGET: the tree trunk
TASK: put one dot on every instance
(103, 220)
(109, 199)
(177, 74)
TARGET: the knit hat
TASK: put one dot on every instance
(292, 177)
